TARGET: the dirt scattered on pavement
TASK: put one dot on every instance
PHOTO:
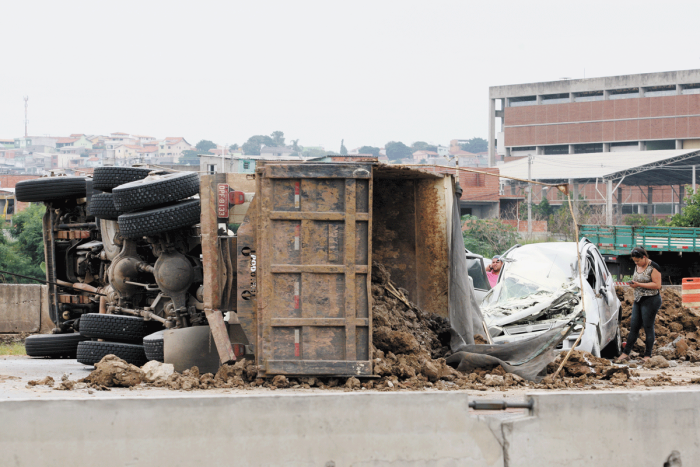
(47, 381)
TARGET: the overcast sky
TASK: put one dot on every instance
(368, 72)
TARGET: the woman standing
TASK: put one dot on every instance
(646, 283)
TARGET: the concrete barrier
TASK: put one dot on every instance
(21, 308)
(339, 429)
(584, 429)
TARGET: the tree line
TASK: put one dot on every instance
(395, 150)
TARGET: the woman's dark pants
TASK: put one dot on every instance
(643, 314)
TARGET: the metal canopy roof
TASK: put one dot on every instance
(667, 167)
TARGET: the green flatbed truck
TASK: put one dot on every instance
(675, 249)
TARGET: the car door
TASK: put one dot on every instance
(477, 276)
(591, 303)
(606, 298)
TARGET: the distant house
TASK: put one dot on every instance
(125, 153)
(173, 147)
(209, 163)
(83, 141)
(115, 139)
(276, 151)
(424, 155)
(27, 141)
(7, 143)
(63, 142)
(79, 150)
(143, 140)
(93, 162)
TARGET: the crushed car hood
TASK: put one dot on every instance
(537, 307)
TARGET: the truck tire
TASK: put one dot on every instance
(102, 206)
(153, 345)
(159, 220)
(50, 189)
(91, 352)
(114, 327)
(157, 191)
(53, 345)
(108, 178)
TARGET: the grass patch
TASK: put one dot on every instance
(12, 348)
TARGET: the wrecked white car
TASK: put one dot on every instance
(539, 288)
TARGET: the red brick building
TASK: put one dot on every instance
(619, 113)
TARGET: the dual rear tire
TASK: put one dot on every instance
(122, 336)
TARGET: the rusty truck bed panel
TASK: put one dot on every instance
(314, 253)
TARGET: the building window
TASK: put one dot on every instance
(520, 101)
(555, 98)
(589, 96)
(246, 165)
(211, 168)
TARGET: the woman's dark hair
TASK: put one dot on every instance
(639, 252)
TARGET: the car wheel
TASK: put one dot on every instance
(50, 189)
(108, 178)
(153, 345)
(102, 206)
(116, 327)
(53, 345)
(159, 220)
(155, 191)
(614, 348)
(91, 352)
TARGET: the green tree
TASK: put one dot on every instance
(190, 157)
(396, 150)
(343, 149)
(423, 146)
(314, 152)
(475, 145)
(540, 211)
(690, 217)
(487, 237)
(295, 145)
(205, 145)
(233, 147)
(369, 150)
(277, 139)
(23, 254)
(636, 219)
(254, 143)
(27, 229)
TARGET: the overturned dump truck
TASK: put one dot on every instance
(144, 264)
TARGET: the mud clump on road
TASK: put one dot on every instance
(677, 328)
(112, 371)
(46, 381)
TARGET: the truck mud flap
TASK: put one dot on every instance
(194, 346)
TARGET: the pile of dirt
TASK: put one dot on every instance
(112, 371)
(583, 365)
(677, 328)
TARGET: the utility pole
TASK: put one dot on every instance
(529, 195)
(26, 120)
(693, 179)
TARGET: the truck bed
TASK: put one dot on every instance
(620, 239)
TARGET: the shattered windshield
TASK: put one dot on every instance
(533, 269)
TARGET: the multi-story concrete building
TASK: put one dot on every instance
(617, 113)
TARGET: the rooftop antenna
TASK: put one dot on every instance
(26, 121)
